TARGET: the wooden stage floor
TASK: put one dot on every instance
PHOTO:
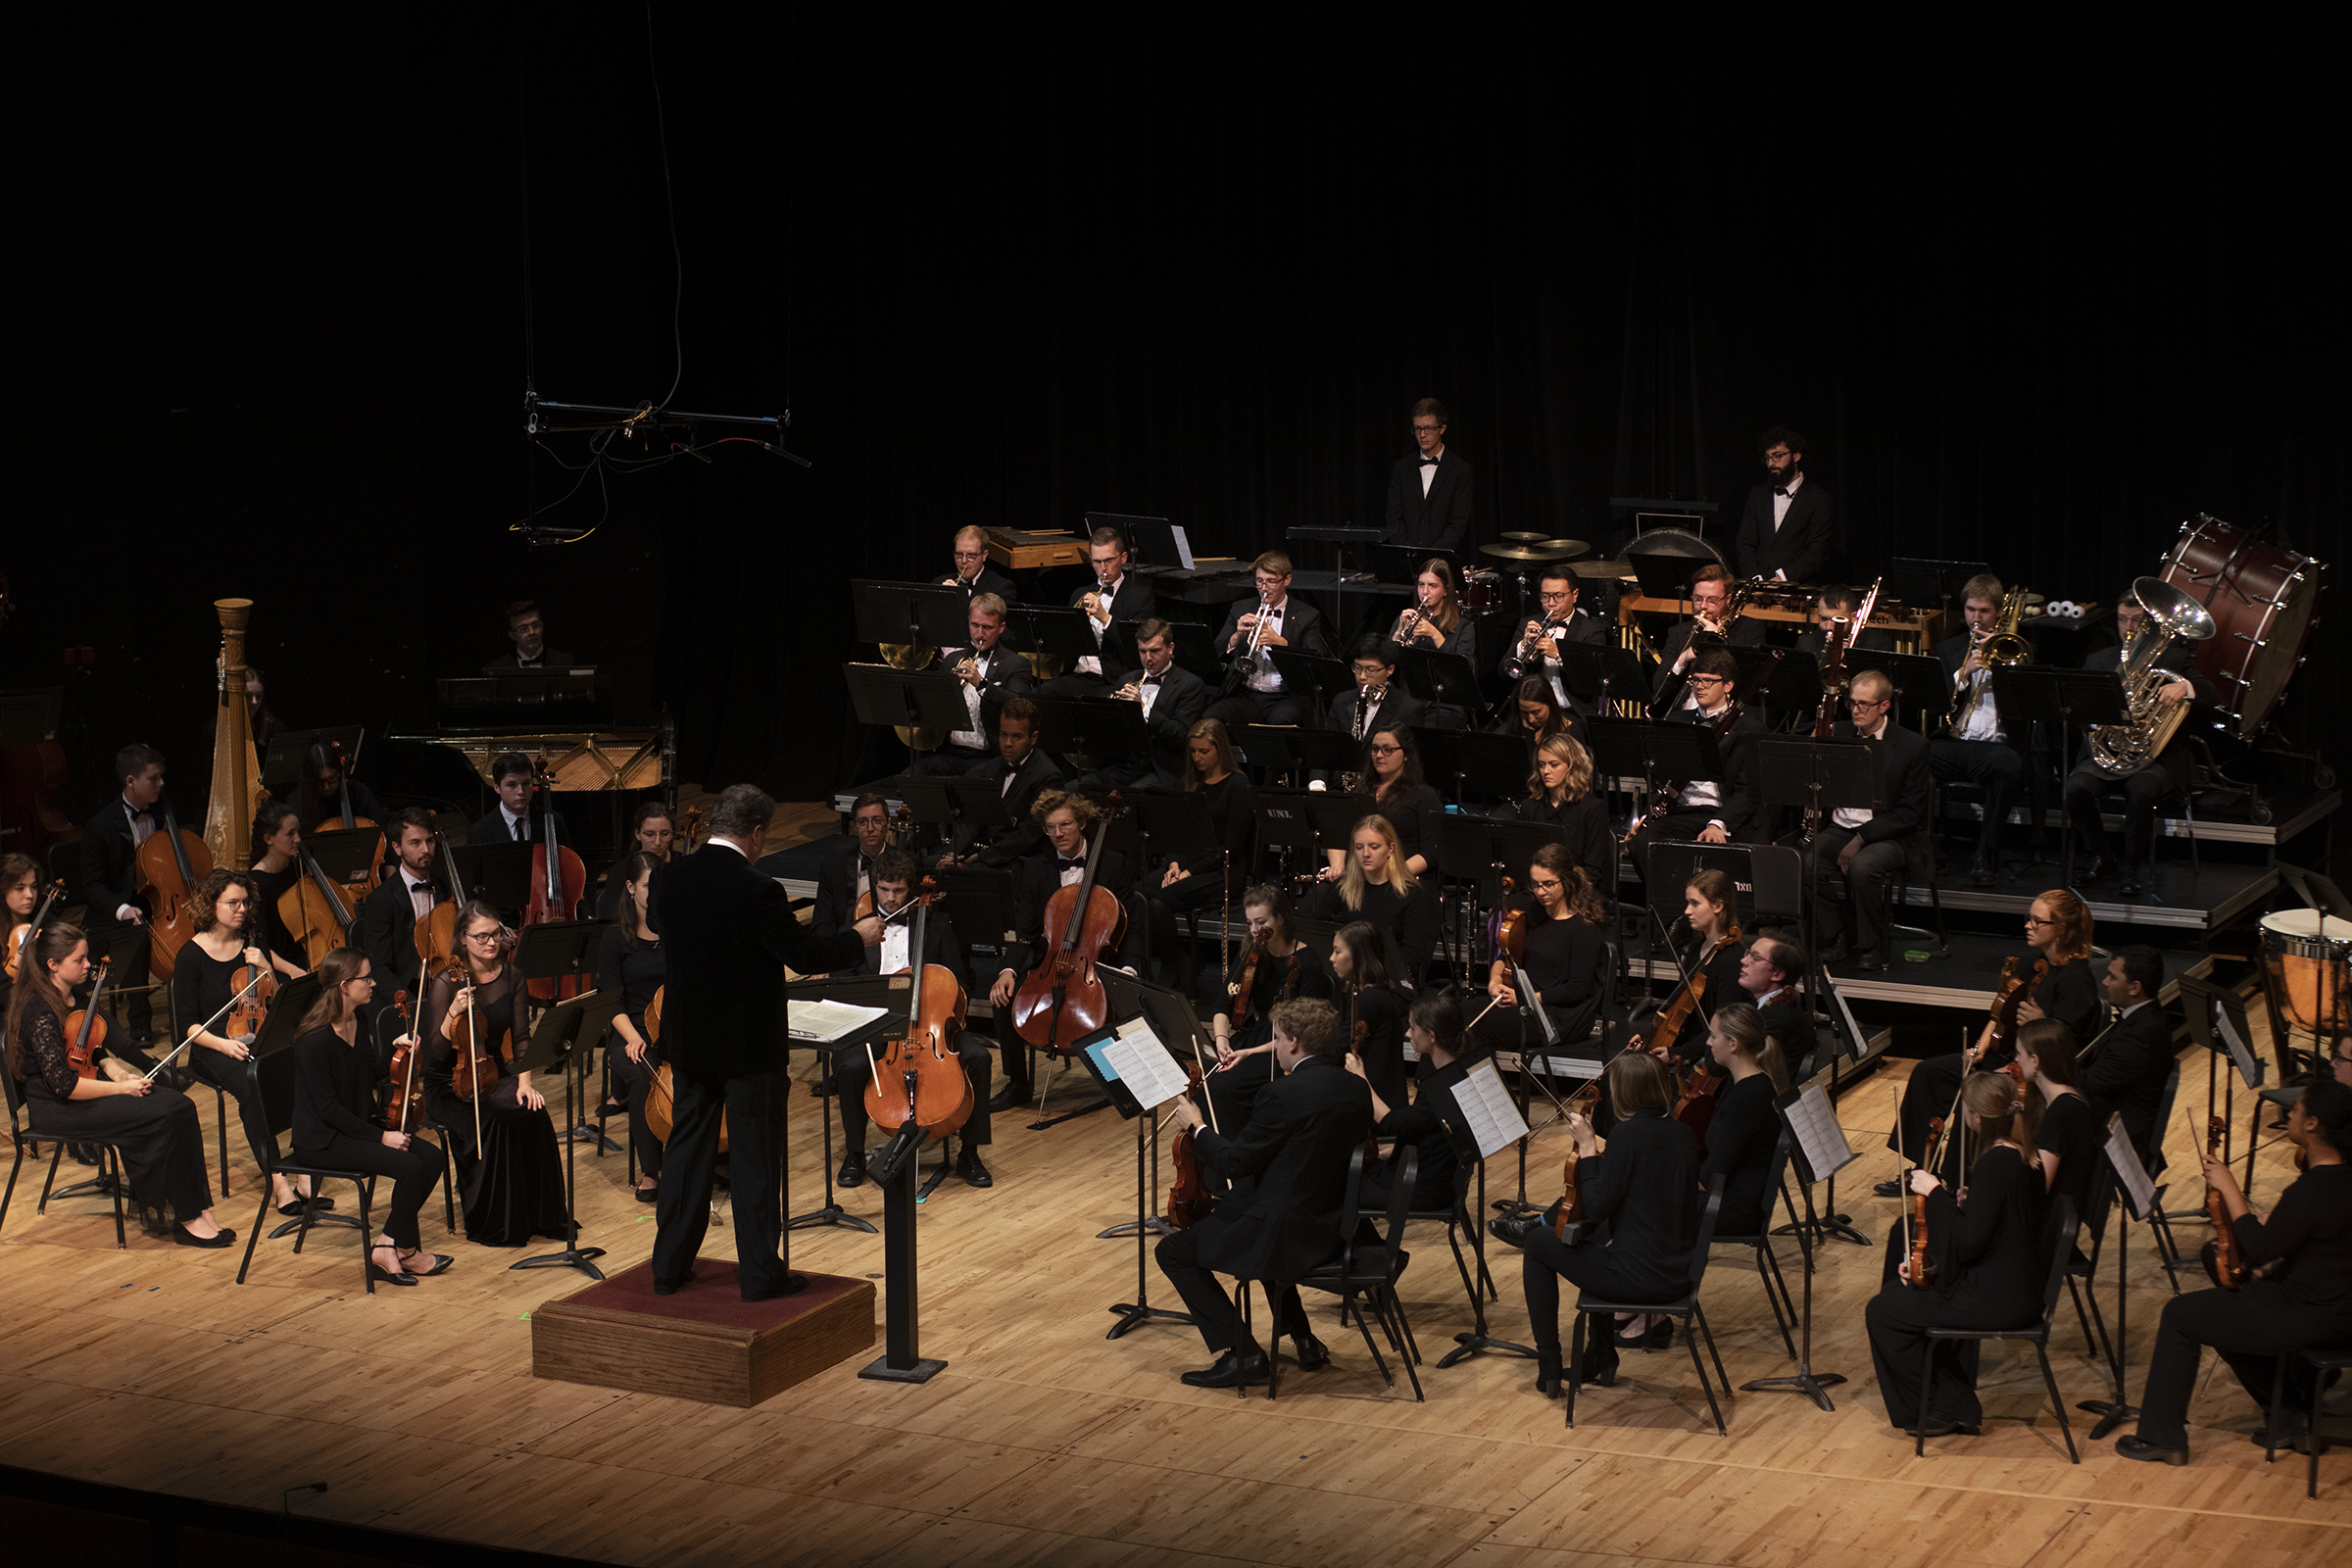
(1044, 1443)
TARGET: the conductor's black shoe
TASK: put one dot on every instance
(852, 1170)
(1946, 1429)
(2095, 870)
(1312, 1355)
(2131, 1446)
(1008, 1097)
(1233, 1370)
(663, 1287)
(1894, 1189)
(793, 1285)
(969, 1167)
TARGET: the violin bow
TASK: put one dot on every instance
(190, 1038)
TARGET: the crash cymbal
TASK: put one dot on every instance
(1574, 547)
(1530, 553)
(1603, 568)
(1522, 538)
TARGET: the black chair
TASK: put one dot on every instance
(2324, 1358)
(387, 1030)
(2037, 1334)
(1458, 1221)
(1898, 896)
(1684, 1309)
(272, 1078)
(1759, 1246)
(220, 1094)
(24, 1129)
(1370, 1270)
(1353, 1197)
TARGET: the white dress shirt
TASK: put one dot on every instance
(974, 738)
(1706, 791)
(1983, 723)
(894, 947)
(1263, 676)
(420, 893)
(1089, 664)
(518, 826)
(1429, 471)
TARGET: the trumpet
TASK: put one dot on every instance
(966, 667)
(1091, 601)
(1407, 620)
(1521, 662)
(1257, 633)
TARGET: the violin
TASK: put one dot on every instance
(1569, 1211)
(256, 988)
(1240, 989)
(315, 914)
(32, 927)
(559, 881)
(2000, 1034)
(2229, 1263)
(1694, 1105)
(1061, 1001)
(1189, 1199)
(474, 1069)
(85, 1027)
(1921, 1267)
(170, 863)
(1688, 997)
(408, 1084)
(920, 1078)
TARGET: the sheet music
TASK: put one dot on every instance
(1534, 997)
(2138, 1192)
(1491, 1117)
(1184, 546)
(1140, 1062)
(824, 1022)
(1819, 1137)
(2227, 1027)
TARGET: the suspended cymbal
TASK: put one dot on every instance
(1574, 547)
(1522, 538)
(1531, 553)
(1603, 568)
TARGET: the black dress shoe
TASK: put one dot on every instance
(1600, 1362)
(1985, 873)
(852, 1172)
(648, 1195)
(1661, 1335)
(1835, 954)
(380, 1277)
(1892, 1189)
(2131, 1446)
(2140, 877)
(1513, 1230)
(1312, 1355)
(969, 1167)
(793, 1285)
(1006, 1098)
(1233, 1370)
(1870, 959)
(83, 1153)
(1946, 1429)
(2096, 871)
(188, 1238)
(673, 1287)
(442, 1265)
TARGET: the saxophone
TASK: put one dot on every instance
(2121, 750)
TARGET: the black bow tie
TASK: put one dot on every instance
(1066, 864)
(1429, 462)
(1779, 492)
(140, 813)
(1151, 680)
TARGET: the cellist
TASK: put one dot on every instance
(894, 883)
(629, 962)
(276, 868)
(1068, 821)
(204, 982)
(325, 790)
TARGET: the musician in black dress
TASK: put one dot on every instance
(1989, 1263)
(1537, 714)
(1745, 1126)
(2058, 925)
(334, 1100)
(1706, 943)
(20, 899)
(1277, 967)
(1564, 940)
(203, 984)
(322, 795)
(2298, 1294)
(1559, 795)
(1643, 1205)
(2068, 1134)
(1393, 773)
(276, 868)
(2145, 787)
(509, 1181)
(651, 831)
(1205, 877)
(109, 889)
(1376, 885)
(1427, 1125)
(1069, 822)
(1367, 989)
(629, 961)
(156, 1127)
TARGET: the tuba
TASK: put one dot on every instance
(2172, 616)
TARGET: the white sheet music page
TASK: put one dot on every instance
(1144, 1064)
(1487, 1108)
(2240, 1053)
(1818, 1134)
(2134, 1176)
(825, 1021)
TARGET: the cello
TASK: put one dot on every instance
(661, 1105)
(356, 891)
(32, 927)
(170, 863)
(436, 935)
(920, 1078)
(559, 881)
(314, 913)
(1061, 1001)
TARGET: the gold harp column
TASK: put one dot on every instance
(236, 770)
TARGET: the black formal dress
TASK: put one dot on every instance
(2066, 992)
(109, 863)
(201, 988)
(2127, 1073)
(512, 1184)
(1262, 696)
(1020, 788)
(2073, 1129)
(1379, 1042)
(1179, 700)
(1438, 519)
(1564, 959)
(1411, 919)
(2144, 790)
(1304, 971)
(1894, 842)
(1210, 878)
(1585, 830)
(608, 896)
(727, 933)
(1288, 1168)
(2307, 1302)
(267, 888)
(853, 1071)
(1641, 1193)
(1426, 1126)
(634, 968)
(1990, 1260)
(1720, 964)
(1742, 1136)
(158, 1134)
(1415, 813)
(334, 1100)
(1798, 546)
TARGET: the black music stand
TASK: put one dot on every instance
(288, 757)
(1174, 822)
(499, 874)
(1271, 748)
(1442, 679)
(921, 615)
(1917, 582)
(1820, 775)
(1470, 848)
(1394, 562)
(1057, 720)
(1339, 536)
(1197, 650)
(1602, 672)
(1335, 816)
(920, 699)
(1060, 632)
(2036, 692)
(1794, 1127)
(1176, 1026)
(1286, 822)
(557, 1042)
(1324, 751)
(1923, 692)
(280, 1027)
(859, 990)
(559, 949)
(1303, 672)
(952, 801)
(1494, 766)
(1109, 729)
(1657, 751)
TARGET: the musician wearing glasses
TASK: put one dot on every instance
(2152, 782)
(1069, 822)
(1713, 624)
(1429, 491)
(1786, 532)
(1113, 602)
(1172, 699)
(1274, 620)
(1712, 811)
(988, 676)
(1857, 852)
(1378, 697)
(973, 575)
(1537, 653)
(1976, 746)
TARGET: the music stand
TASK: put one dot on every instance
(1174, 822)
(289, 755)
(952, 800)
(1061, 632)
(499, 874)
(1197, 650)
(857, 991)
(1923, 692)
(1286, 822)
(1917, 582)
(556, 1043)
(2066, 698)
(1394, 562)
(979, 905)
(920, 699)
(1444, 680)
(1270, 746)
(1600, 671)
(1106, 728)
(1325, 751)
(1656, 751)
(1675, 862)
(920, 614)
(558, 949)
(1311, 672)
(347, 854)
(1495, 765)
(1820, 775)
(1335, 816)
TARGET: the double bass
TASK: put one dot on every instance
(356, 891)
(1062, 1002)
(170, 863)
(920, 1078)
(559, 881)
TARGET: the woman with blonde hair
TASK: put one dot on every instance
(1377, 886)
(1559, 794)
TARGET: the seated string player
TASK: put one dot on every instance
(651, 831)
(1068, 822)
(1272, 967)
(988, 674)
(1274, 620)
(842, 879)
(973, 575)
(1771, 974)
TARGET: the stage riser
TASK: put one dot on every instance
(647, 1352)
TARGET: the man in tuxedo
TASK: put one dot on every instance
(1770, 973)
(1115, 599)
(1976, 746)
(1714, 810)
(727, 935)
(1263, 698)
(990, 675)
(650, 833)
(1172, 698)
(526, 628)
(2127, 1073)
(510, 820)
(388, 917)
(973, 575)
(2146, 787)
(854, 1068)
(1858, 851)
(1784, 534)
(1710, 609)
(1556, 622)
(1289, 1169)
(1834, 604)
(1020, 771)
(1429, 492)
(1373, 665)
(116, 916)
(1069, 822)
(842, 877)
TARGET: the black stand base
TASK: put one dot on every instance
(831, 1213)
(1145, 1224)
(590, 1132)
(881, 1371)
(1477, 1339)
(573, 1255)
(1131, 1314)
(1830, 1226)
(1807, 1381)
(902, 1359)
(2111, 1415)
(570, 1257)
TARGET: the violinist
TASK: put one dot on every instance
(388, 919)
(276, 868)
(1769, 974)
(1537, 714)
(511, 1181)
(973, 575)
(1434, 621)
(320, 797)
(1559, 795)
(2068, 1131)
(1069, 822)
(1274, 620)
(1172, 699)
(842, 879)
(1376, 698)
(109, 890)
(1435, 1028)
(20, 896)
(1710, 811)
(1706, 943)
(1284, 967)
(1707, 628)
(1021, 773)
(1858, 853)
(1392, 769)
(2058, 925)
(1376, 885)
(334, 1090)
(1368, 987)
(1989, 1259)
(526, 629)
(853, 1069)
(1745, 1126)
(1537, 652)
(1560, 925)
(1288, 1168)
(203, 983)
(156, 1127)
(1205, 877)
(510, 821)
(1643, 1197)
(629, 961)
(2298, 1294)
(652, 832)
(988, 676)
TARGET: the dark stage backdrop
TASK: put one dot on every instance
(288, 340)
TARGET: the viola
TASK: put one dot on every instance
(1569, 1211)
(2009, 994)
(85, 1027)
(1061, 1001)
(315, 914)
(920, 1078)
(32, 927)
(559, 881)
(2229, 1263)
(1189, 1199)
(1921, 1267)
(1694, 1105)
(170, 863)
(406, 1077)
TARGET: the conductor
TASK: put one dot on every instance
(727, 932)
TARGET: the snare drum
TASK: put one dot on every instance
(2306, 956)
(1481, 589)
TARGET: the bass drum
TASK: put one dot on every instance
(2261, 599)
(1481, 589)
